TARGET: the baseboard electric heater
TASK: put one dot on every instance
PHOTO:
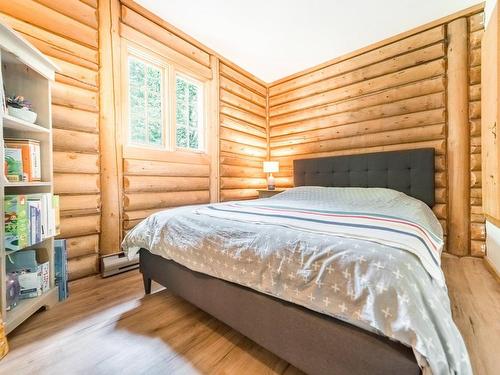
(118, 263)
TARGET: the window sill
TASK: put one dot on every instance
(177, 156)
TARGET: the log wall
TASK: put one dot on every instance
(392, 96)
(243, 134)
(66, 31)
(477, 226)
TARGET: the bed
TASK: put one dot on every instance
(303, 281)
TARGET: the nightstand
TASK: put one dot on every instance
(264, 193)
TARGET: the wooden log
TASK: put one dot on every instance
(237, 194)
(478, 231)
(143, 201)
(476, 22)
(130, 224)
(237, 89)
(156, 168)
(236, 101)
(242, 138)
(439, 163)
(249, 83)
(243, 115)
(79, 226)
(475, 127)
(75, 75)
(68, 140)
(235, 124)
(475, 145)
(284, 182)
(458, 140)
(475, 57)
(83, 266)
(85, 202)
(242, 183)
(440, 195)
(474, 110)
(74, 97)
(475, 92)
(140, 214)
(54, 51)
(337, 132)
(240, 171)
(73, 162)
(412, 135)
(398, 108)
(440, 210)
(475, 179)
(475, 75)
(77, 10)
(478, 248)
(395, 64)
(242, 149)
(136, 184)
(74, 119)
(81, 246)
(416, 73)
(163, 36)
(231, 159)
(475, 162)
(58, 42)
(410, 43)
(475, 38)
(440, 179)
(45, 18)
(387, 96)
(76, 183)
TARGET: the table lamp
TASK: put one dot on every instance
(270, 167)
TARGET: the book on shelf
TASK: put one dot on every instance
(13, 164)
(61, 268)
(32, 269)
(30, 219)
(31, 161)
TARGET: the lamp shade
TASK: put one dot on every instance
(271, 166)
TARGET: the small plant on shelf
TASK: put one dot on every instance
(21, 108)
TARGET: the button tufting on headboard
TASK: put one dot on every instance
(408, 171)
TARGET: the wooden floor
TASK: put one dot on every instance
(108, 326)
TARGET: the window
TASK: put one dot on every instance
(146, 117)
(166, 104)
(189, 113)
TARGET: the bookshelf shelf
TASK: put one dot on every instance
(24, 71)
(26, 184)
(13, 123)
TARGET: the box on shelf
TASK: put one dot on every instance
(16, 222)
(13, 164)
(12, 290)
(32, 269)
(61, 268)
(30, 148)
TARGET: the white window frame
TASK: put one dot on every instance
(169, 151)
(202, 128)
(149, 59)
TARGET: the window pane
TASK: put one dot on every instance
(193, 106)
(189, 120)
(145, 101)
(193, 138)
(181, 88)
(181, 137)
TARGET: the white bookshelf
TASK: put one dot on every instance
(27, 72)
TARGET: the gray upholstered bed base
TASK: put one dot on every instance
(312, 342)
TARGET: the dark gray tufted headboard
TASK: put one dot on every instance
(408, 171)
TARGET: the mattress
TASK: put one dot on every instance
(378, 282)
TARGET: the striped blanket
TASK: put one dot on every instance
(383, 229)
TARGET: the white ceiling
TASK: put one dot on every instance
(275, 38)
